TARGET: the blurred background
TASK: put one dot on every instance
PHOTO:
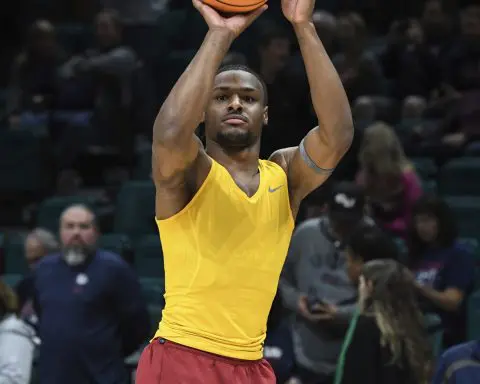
(81, 82)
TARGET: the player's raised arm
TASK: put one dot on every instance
(175, 146)
(310, 164)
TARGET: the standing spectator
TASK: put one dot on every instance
(101, 78)
(387, 342)
(459, 365)
(17, 341)
(38, 244)
(90, 307)
(389, 179)
(444, 271)
(359, 69)
(315, 273)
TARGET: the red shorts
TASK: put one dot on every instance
(164, 362)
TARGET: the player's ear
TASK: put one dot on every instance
(265, 116)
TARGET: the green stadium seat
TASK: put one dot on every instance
(15, 262)
(143, 170)
(12, 279)
(460, 177)
(434, 325)
(155, 312)
(149, 257)
(430, 187)
(135, 214)
(467, 212)
(473, 316)
(153, 290)
(115, 242)
(425, 167)
(472, 245)
(22, 163)
(50, 209)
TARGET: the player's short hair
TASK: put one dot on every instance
(245, 68)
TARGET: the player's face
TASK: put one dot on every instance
(237, 111)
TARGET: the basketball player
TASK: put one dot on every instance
(226, 217)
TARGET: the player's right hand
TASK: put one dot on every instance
(234, 25)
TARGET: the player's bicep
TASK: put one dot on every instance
(312, 163)
(170, 159)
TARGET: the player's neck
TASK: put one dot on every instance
(241, 159)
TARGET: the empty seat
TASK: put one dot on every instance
(467, 213)
(15, 262)
(12, 279)
(153, 290)
(460, 177)
(473, 317)
(155, 312)
(50, 210)
(429, 187)
(115, 242)
(149, 257)
(433, 324)
(135, 215)
(143, 169)
(23, 166)
(425, 167)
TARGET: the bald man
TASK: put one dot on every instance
(90, 307)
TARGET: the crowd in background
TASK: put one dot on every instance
(83, 85)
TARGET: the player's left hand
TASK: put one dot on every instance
(298, 11)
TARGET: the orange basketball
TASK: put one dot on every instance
(235, 6)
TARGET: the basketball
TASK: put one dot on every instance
(235, 6)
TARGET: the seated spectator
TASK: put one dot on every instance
(359, 69)
(33, 82)
(17, 341)
(386, 342)
(315, 286)
(408, 62)
(459, 365)
(101, 79)
(390, 181)
(437, 27)
(38, 244)
(444, 271)
(91, 310)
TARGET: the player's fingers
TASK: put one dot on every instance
(253, 15)
(197, 4)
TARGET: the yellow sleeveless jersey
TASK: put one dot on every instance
(223, 256)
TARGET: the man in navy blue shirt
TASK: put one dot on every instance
(459, 365)
(90, 307)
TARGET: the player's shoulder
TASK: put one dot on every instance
(282, 157)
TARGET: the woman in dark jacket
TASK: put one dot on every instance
(386, 342)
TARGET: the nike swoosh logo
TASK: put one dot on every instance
(271, 190)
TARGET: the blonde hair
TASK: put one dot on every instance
(394, 306)
(381, 153)
(8, 299)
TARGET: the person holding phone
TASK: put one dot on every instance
(315, 284)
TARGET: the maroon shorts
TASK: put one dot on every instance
(164, 362)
